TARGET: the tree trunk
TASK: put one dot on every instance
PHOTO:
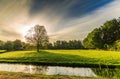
(37, 47)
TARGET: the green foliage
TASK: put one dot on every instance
(17, 45)
(8, 46)
(112, 73)
(27, 46)
(104, 36)
(50, 46)
(1, 45)
(115, 46)
(93, 39)
(71, 44)
(111, 31)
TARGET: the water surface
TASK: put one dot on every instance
(58, 70)
(48, 70)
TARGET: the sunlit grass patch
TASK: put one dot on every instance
(63, 57)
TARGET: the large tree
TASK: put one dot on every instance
(37, 36)
(104, 36)
(93, 40)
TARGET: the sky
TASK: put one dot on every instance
(63, 19)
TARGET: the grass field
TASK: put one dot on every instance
(63, 57)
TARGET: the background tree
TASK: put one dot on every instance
(2, 45)
(37, 36)
(104, 36)
(8, 46)
(110, 31)
(115, 46)
(71, 44)
(17, 45)
(50, 46)
(93, 40)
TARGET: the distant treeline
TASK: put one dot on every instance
(71, 44)
(15, 45)
(19, 45)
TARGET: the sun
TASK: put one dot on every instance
(24, 29)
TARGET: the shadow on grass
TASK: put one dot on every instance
(55, 59)
(3, 51)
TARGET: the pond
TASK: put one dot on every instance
(58, 70)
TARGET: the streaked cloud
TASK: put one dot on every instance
(12, 12)
(63, 19)
(78, 28)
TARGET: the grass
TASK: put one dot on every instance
(19, 75)
(86, 58)
(91, 58)
(2, 51)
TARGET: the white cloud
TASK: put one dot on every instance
(15, 20)
(11, 14)
(78, 28)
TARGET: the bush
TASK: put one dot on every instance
(116, 45)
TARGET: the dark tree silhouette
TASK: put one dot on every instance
(71, 44)
(37, 36)
(8, 46)
(17, 45)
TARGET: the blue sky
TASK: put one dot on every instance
(74, 8)
(63, 19)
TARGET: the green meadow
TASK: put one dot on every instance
(89, 58)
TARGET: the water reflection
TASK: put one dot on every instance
(48, 70)
(84, 72)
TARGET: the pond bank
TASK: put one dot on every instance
(81, 72)
(90, 65)
(19, 75)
